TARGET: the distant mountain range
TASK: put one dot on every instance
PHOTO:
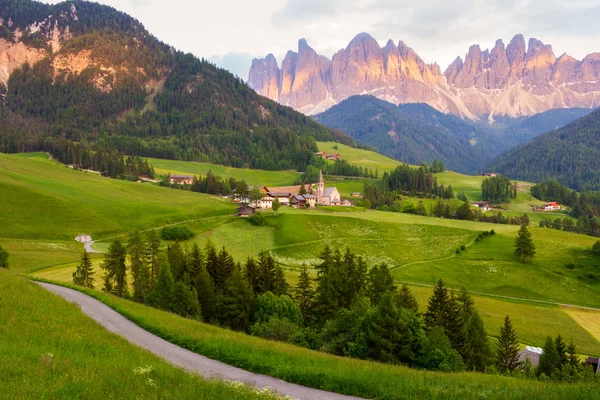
(415, 133)
(570, 154)
(514, 80)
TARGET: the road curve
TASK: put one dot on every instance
(88, 247)
(181, 357)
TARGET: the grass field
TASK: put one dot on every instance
(251, 176)
(51, 350)
(359, 157)
(338, 374)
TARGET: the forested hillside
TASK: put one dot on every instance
(571, 155)
(413, 133)
(103, 80)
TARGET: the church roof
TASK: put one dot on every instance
(328, 191)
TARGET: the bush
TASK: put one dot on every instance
(178, 233)
(3, 258)
(257, 219)
(463, 247)
(275, 329)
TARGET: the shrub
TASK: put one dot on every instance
(275, 329)
(463, 247)
(178, 233)
(492, 232)
(3, 258)
(257, 219)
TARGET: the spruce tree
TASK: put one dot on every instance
(438, 303)
(205, 290)
(406, 299)
(195, 262)
(454, 325)
(357, 274)
(281, 286)
(304, 294)
(562, 350)
(237, 301)
(185, 299)
(387, 336)
(177, 261)
(524, 246)
(267, 273)
(139, 267)
(3, 258)
(252, 273)
(84, 274)
(550, 358)
(507, 353)
(380, 283)
(153, 257)
(477, 348)
(162, 294)
(115, 269)
(573, 356)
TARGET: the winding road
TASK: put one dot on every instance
(178, 356)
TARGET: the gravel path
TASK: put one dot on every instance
(88, 247)
(179, 356)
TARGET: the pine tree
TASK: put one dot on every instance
(357, 274)
(84, 274)
(436, 309)
(387, 336)
(304, 294)
(177, 260)
(477, 348)
(139, 268)
(406, 299)
(281, 286)
(205, 290)
(195, 262)
(524, 246)
(466, 303)
(507, 353)
(237, 301)
(380, 283)
(153, 257)
(267, 273)
(3, 258)
(561, 349)
(573, 356)
(162, 294)
(252, 273)
(550, 358)
(185, 299)
(454, 325)
(115, 269)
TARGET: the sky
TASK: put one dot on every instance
(233, 32)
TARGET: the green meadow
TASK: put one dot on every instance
(360, 157)
(50, 349)
(338, 374)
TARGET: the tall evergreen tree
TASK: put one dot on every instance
(153, 257)
(185, 299)
(205, 290)
(116, 269)
(406, 299)
(139, 267)
(84, 274)
(3, 258)
(281, 286)
(437, 307)
(195, 262)
(507, 353)
(477, 348)
(550, 358)
(267, 273)
(237, 301)
(524, 246)
(162, 294)
(304, 294)
(177, 260)
(562, 350)
(252, 272)
(357, 275)
(380, 283)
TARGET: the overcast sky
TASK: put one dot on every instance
(232, 32)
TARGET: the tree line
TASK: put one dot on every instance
(348, 309)
(498, 189)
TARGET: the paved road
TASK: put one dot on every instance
(179, 356)
(88, 247)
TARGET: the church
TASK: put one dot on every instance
(327, 196)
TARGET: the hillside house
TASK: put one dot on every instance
(553, 206)
(181, 179)
(283, 197)
(489, 175)
(533, 353)
(356, 194)
(311, 200)
(303, 201)
(482, 205)
(245, 211)
(292, 190)
(594, 362)
(346, 203)
(332, 156)
(266, 202)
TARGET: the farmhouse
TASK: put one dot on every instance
(181, 179)
(245, 211)
(346, 203)
(333, 156)
(303, 200)
(266, 202)
(283, 197)
(482, 205)
(553, 206)
(292, 190)
(489, 174)
(311, 200)
(533, 353)
(356, 194)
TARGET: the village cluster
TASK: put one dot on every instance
(298, 196)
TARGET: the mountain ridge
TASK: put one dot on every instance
(514, 80)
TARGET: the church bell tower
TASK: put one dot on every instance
(320, 187)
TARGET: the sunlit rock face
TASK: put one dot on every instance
(518, 79)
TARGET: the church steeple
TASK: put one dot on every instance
(320, 187)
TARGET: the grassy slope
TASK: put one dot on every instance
(251, 176)
(359, 157)
(49, 349)
(323, 371)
